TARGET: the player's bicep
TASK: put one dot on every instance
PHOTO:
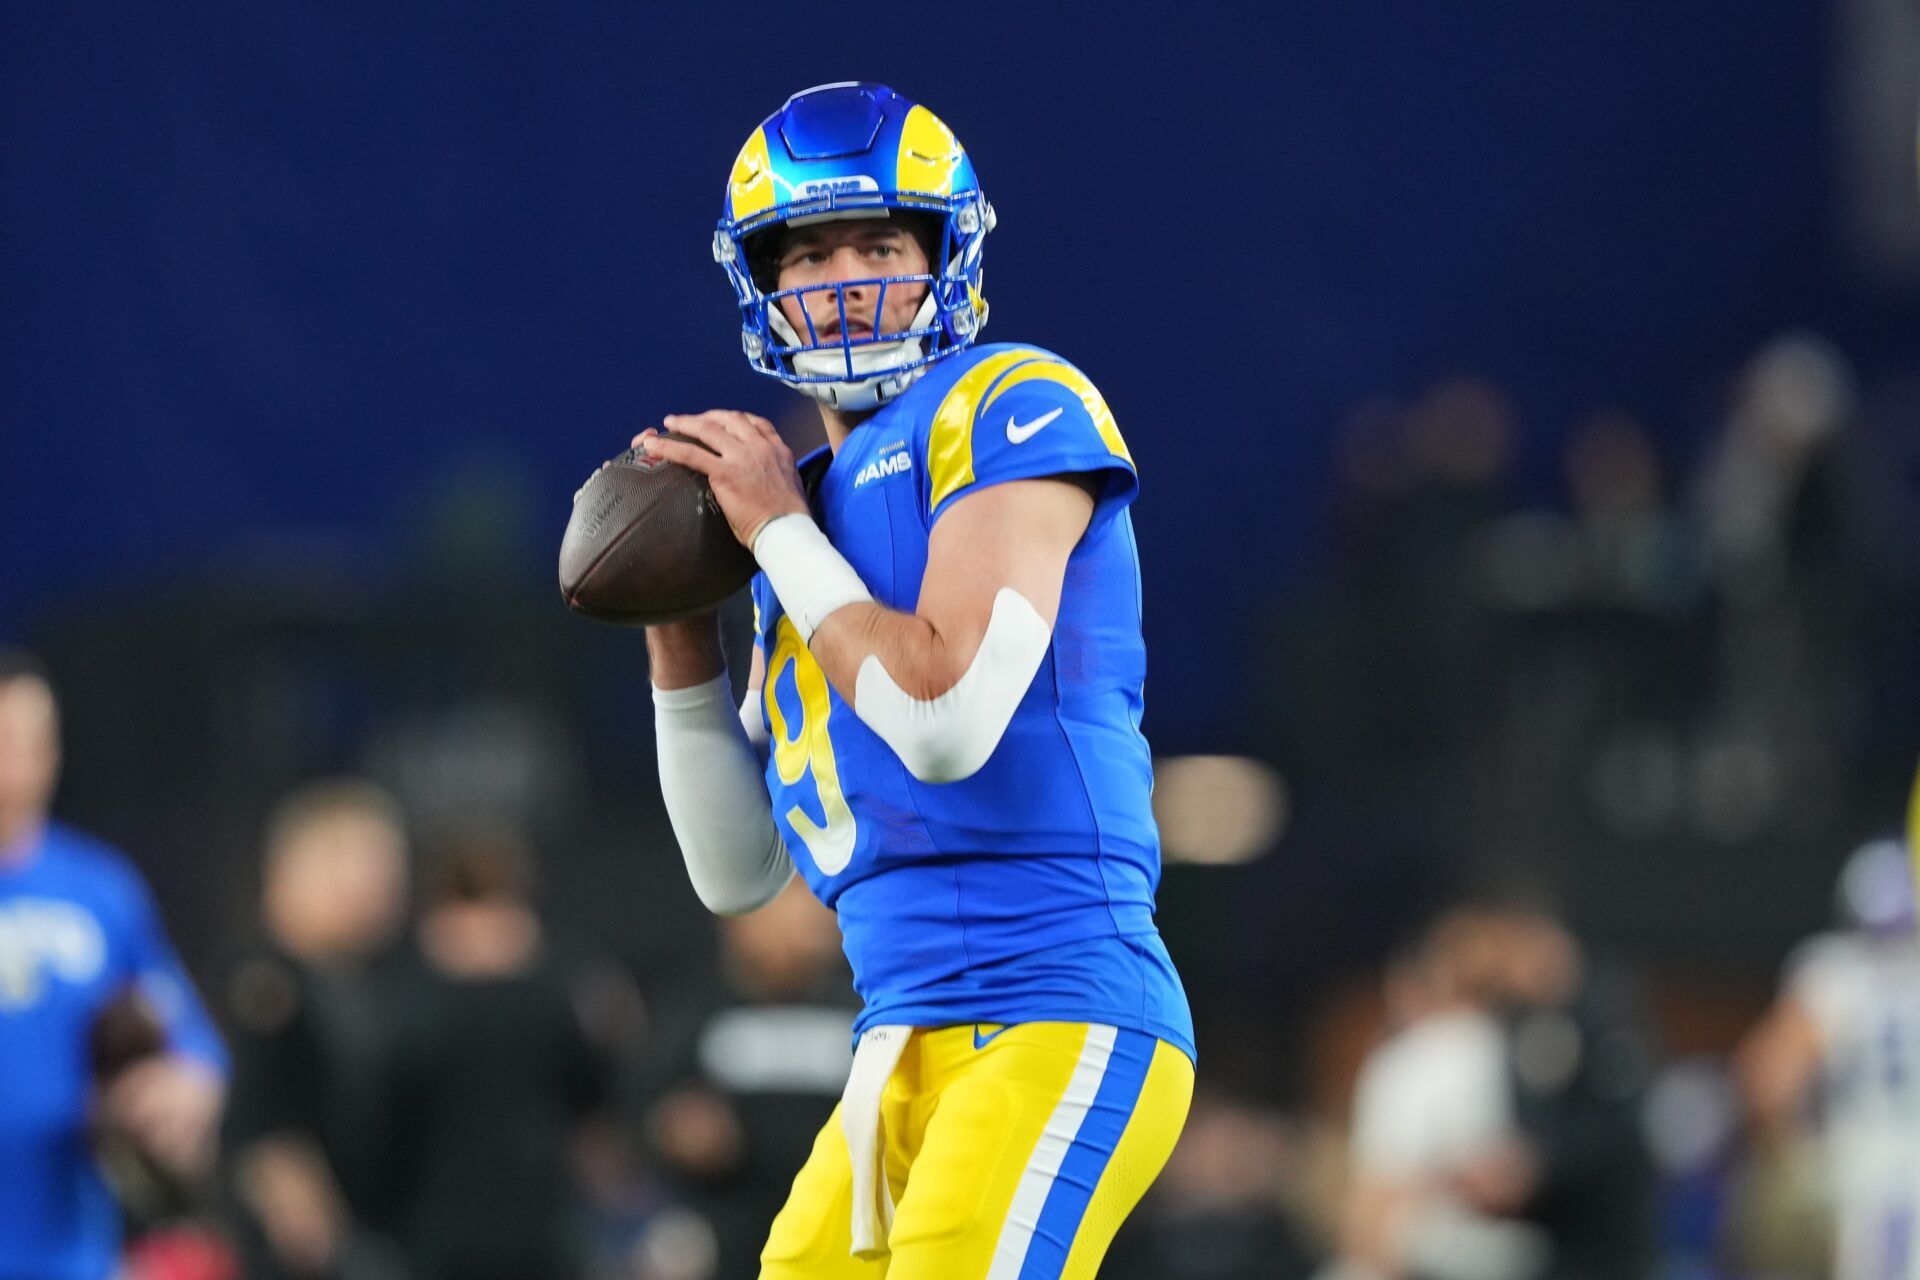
(989, 600)
(1015, 537)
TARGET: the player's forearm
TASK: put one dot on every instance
(923, 661)
(843, 625)
(685, 653)
(716, 799)
(939, 696)
(940, 701)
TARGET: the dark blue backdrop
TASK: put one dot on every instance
(269, 267)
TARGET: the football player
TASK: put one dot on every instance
(1845, 1031)
(947, 667)
(82, 946)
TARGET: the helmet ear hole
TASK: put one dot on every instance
(927, 230)
(763, 250)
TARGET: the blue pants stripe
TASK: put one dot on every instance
(1106, 1119)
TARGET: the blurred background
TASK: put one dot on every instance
(1527, 401)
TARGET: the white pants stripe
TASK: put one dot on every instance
(1016, 1234)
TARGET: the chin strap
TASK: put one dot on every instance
(878, 377)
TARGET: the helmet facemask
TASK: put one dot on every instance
(846, 371)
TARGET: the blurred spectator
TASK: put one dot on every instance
(1635, 551)
(1438, 1159)
(1772, 502)
(502, 1049)
(307, 1130)
(1768, 497)
(1428, 632)
(754, 1061)
(100, 1029)
(1498, 1132)
(1579, 1068)
(1836, 1056)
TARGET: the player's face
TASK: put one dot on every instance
(831, 253)
(29, 753)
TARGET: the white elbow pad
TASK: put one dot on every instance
(717, 799)
(948, 738)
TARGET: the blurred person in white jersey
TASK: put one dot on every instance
(1838, 1057)
(1440, 1165)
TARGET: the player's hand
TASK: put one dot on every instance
(169, 1106)
(1500, 1180)
(749, 467)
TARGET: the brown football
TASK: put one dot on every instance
(647, 543)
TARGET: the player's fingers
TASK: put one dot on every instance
(701, 427)
(732, 422)
(749, 425)
(687, 455)
(635, 442)
(753, 431)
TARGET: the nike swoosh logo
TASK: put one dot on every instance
(980, 1041)
(1020, 435)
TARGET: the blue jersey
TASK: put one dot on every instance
(77, 928)
(1025, 892)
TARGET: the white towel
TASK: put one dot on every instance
(873, 1062)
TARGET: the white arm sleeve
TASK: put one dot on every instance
(717, 799)
(948, 738)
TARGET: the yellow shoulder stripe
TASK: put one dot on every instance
(950, 439)
(1078, 383)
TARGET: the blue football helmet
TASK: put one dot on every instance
(854, 150)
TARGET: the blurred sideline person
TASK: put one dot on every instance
(752, 1063)
(949, 669)
(1836, 1057)
(1499, 1133)
(501, 1052)
(1437, 1151)
(81, 941)
(1578, 1064)
(306, 1129)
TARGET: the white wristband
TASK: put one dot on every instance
(810, 577)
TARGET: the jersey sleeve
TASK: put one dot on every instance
(1023, 414)
(156, 969)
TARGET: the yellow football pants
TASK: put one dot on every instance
(1012, 1153)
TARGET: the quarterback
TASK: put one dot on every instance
(947, 670)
